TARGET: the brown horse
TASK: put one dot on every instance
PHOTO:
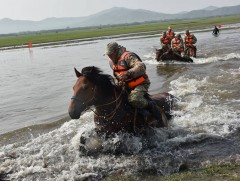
(191, 51)
(112, 112)
(162, 55)
(159, 53)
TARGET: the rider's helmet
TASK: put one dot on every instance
(169, 27)
(187, 32)
(111, 48)
(178, 36)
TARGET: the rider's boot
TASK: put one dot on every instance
(154, 110)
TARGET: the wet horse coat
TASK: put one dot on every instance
(162, 55)
(112, 113)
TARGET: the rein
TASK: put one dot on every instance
(111, 114)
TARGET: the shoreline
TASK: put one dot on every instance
(139, 34)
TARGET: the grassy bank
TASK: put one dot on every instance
(56, 36)
(213, 173)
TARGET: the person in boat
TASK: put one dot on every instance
(215, 31)
(170, 33)
(165, 41)
(189, 42)
(177, 45)
(129, 70)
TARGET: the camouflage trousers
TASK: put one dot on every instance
(165, 47)
(136, 97)
(178, 50)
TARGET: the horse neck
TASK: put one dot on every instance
(110, 102)
(159, 53)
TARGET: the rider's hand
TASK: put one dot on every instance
(121, 83)
(123, 77)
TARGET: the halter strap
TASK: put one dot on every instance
(111, 114)
(79, 99)
(76, 98)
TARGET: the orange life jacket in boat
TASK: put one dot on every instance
(121, 67)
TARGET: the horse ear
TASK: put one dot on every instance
(78, 74)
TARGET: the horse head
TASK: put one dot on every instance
(168, 55)
(87, 89)
(159, 53)
(112, 113)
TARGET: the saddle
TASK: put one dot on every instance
(151, 110)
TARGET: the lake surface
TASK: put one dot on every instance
(40, 142)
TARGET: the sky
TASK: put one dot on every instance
(37, 10)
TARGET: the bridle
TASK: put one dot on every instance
(111, 114)
(82, 101)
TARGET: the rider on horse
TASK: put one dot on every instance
(165, 41)
(177, 45)
(129, 69)
(215, 31)
(170, 33)
(189, 41)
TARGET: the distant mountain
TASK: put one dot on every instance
(15, 26)
(113, 16)
(210, 8)
(118, 15)
(203, 13)
(182, 12)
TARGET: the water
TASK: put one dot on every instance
(40, 142)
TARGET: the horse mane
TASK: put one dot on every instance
(95, 75)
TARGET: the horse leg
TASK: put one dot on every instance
(160, 120)
(164, 121)
(187, 52)
(194, 52)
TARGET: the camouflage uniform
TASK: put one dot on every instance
(170, 33)
(180, 47)
(193, 37)
(132, 70)
(165, 42)
(137, 68)
(190, 44)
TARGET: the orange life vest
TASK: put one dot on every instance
(165, 40)
(189, 40)
(121, 67)
(170, 34)
(176, 44)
